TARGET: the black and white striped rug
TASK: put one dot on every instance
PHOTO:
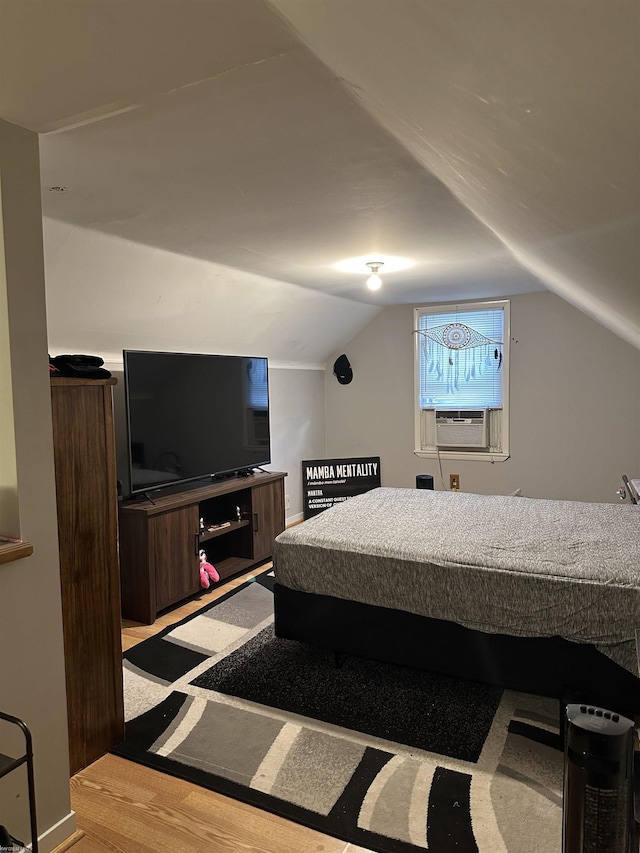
(388, 758)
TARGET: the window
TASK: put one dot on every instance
(462, 380)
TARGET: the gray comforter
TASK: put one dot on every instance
(511, 565)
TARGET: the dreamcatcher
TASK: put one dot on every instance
(456, 353)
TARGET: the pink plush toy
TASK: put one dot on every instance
(208, 572)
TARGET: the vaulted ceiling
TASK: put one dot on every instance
(493, 144)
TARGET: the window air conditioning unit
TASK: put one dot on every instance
(462, 428)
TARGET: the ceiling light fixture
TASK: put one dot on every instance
(354, 266)
(374, 282)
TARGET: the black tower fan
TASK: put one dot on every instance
(598, 782)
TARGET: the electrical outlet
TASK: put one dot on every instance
(454, 482)
(287, 502)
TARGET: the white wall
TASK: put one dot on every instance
(105, 294)
(575, 405)
(535, 138)
(297, 428)
(32, 682)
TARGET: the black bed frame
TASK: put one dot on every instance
(546, 666)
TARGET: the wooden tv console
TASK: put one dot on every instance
(160, 538)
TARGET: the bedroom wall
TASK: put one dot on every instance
(32, 682)
(575, 405)
(297, 428)
(106, 294)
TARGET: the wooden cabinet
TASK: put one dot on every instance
(160, 539)
(173, 542)
(84, 457)
(267, 507)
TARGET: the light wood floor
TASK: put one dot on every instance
(122, 807)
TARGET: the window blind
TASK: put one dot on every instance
(467, 377)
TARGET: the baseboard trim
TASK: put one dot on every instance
(61, 836)
(68, 844)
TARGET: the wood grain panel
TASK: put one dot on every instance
(138, 593)
(173, 555)
(84, 457)
(10, 551)
(268, 517)
(198, 493)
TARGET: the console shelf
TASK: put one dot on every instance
(160, 539)
(212, 534)
(233, 566)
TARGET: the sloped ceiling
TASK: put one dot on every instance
(494, 145)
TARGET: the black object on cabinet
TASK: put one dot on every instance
(598, 782)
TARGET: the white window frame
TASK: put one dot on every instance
(498, 450)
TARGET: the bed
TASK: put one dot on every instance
(530, 594)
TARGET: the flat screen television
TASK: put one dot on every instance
(193, 416)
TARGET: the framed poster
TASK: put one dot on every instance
(326, 482)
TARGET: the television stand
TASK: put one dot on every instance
(160, 541)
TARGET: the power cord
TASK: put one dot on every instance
(440, 465)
